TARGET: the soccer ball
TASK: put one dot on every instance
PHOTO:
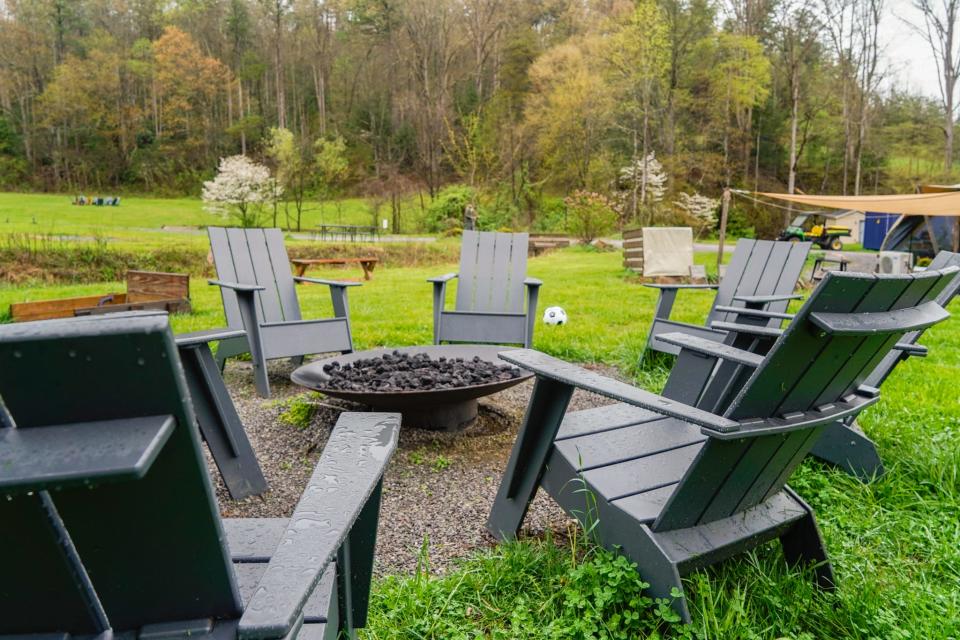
(555, 315)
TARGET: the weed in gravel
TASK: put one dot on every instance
(440, 463)
(299, 411)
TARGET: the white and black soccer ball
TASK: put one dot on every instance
(555, 316)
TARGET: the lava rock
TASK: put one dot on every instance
(414, 372)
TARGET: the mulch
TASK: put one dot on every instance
(438, 488)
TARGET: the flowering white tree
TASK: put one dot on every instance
(640, 187)
(649, 176)
(702, 209)
(240, 189)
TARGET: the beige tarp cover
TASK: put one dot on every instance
(917, 204)
(667, 251)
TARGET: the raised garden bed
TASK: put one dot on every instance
(168, 292)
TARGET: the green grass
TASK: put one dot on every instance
(895, 543)
(135, 216)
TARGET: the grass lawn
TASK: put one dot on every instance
(54, 214)
(895, 543)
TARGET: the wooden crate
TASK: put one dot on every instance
(633, 249)
(168, 292)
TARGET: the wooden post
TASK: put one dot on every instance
(724, 212)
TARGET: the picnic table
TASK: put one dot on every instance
(367, 264)
(350, 232)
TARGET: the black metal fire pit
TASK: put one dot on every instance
(444, 409)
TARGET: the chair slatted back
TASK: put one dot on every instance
(493, 267)
(760, 267)
(942, 260)
(255, 256)
(807, 368)
(152, 547)
(37, 572)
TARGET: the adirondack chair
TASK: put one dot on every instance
(259, 296)
(843, 443)
(491, 281)
(677, 488)
(109, 520)
(695, 381)
(761, 274)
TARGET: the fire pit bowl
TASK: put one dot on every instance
(441, 409)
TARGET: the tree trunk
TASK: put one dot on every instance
(949, 86)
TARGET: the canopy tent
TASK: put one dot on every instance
(945, 203)
(928, 219)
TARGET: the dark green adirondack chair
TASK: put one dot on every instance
(706, 384)
(109, 519)
(761, 274)
(259, 297)
(843, 443)
(490, 292)
(677, 488)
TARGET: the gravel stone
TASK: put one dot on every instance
(438, 488)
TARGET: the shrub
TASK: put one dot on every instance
(589, 215)
(446, 209)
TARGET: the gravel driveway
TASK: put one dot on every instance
(438, 488)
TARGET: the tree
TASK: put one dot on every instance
(240, 189)
(294, 170)
(569, 112)
(638, 56)
(329, 165)
(799, 39)
(940, 32)
(739, 79)
(701, 210)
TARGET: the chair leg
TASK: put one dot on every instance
(220, 425)
(251, 324)
(620, 532)
(355, 566)
(296, 361)
(548, 404)
(803, 545)
(848, 448)
(661, 312)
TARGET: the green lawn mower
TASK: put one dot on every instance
(824, 235)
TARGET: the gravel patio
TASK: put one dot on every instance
(438, 488)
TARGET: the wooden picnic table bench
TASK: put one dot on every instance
(367, 264)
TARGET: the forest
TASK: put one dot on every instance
(511, 104)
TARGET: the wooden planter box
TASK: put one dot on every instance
(168, 292)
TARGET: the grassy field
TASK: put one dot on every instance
(895, 543)
(54, 214)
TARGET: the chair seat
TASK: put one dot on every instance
(629, 457)
(251, 542)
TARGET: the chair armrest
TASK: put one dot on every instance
(570, 374)
(533, 282)
(654, 285)
(236, 286)
(908, 349)
(756, 313)
(349, 471)
(767, 299)
(711, 348)
(330, 283)
(794, 421)
(33, 459)
(864, 324)
(753, 329)
(210, 335)
(447, 277)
